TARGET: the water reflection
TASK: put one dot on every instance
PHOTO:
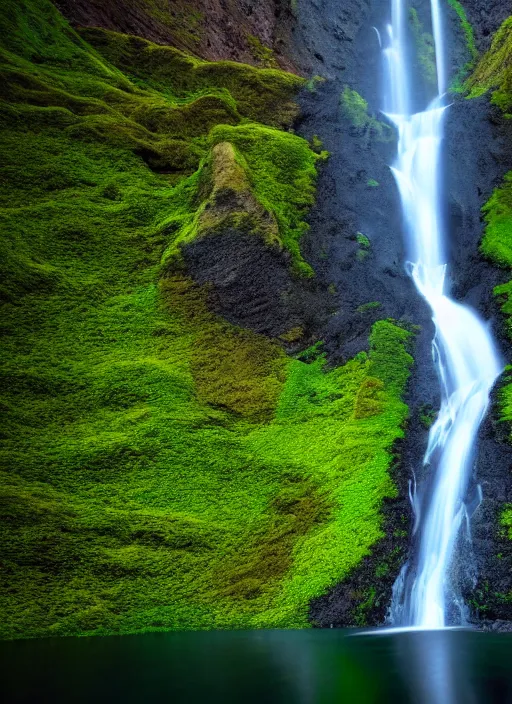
(435, 669)
(306, 667)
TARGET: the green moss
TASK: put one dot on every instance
(469, 33)
(282, 172)
(427, 415)
(161, 468)
(497, 240)
(364, 246)
(425, 48)
(458, 84)
(355, 109)
(316, 144)
(263, 95)
(494, 70)
(313, 83)
(366, 599)
(271, 176)
(264, 55)
(185, 22)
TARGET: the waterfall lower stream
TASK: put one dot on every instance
(425, 594)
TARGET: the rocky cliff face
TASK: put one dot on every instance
(485, 16)
(253, 31)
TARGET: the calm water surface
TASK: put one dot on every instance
(307, 667)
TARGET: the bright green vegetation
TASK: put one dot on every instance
(372, 183)
(364, 246)
(313, 83)
(497, 246)
(273, 174)
(497, 240)
(507, 521)
(458, 83)
(162, 468)
(467, 27)
(425, 48)
(494, 70)
(355, 109)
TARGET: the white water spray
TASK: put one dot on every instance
(467, 364)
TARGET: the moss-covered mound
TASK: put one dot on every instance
(160, 466)
(494, 70)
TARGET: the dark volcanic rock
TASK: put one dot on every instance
(250, 284)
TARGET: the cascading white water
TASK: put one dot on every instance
(463, 350)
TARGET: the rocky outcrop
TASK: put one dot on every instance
(236, 252)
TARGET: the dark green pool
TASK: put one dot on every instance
(451, 667)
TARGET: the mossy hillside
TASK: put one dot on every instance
(262, 95)
(257, 179)
(163, 469)
(493, 72)
(142, 487)
(93, 101)
(160, 467)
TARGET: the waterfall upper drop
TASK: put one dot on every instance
(425, 595)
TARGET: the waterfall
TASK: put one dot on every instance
(425, 595)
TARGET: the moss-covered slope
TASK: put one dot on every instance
(494, 70)
(161, 467)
